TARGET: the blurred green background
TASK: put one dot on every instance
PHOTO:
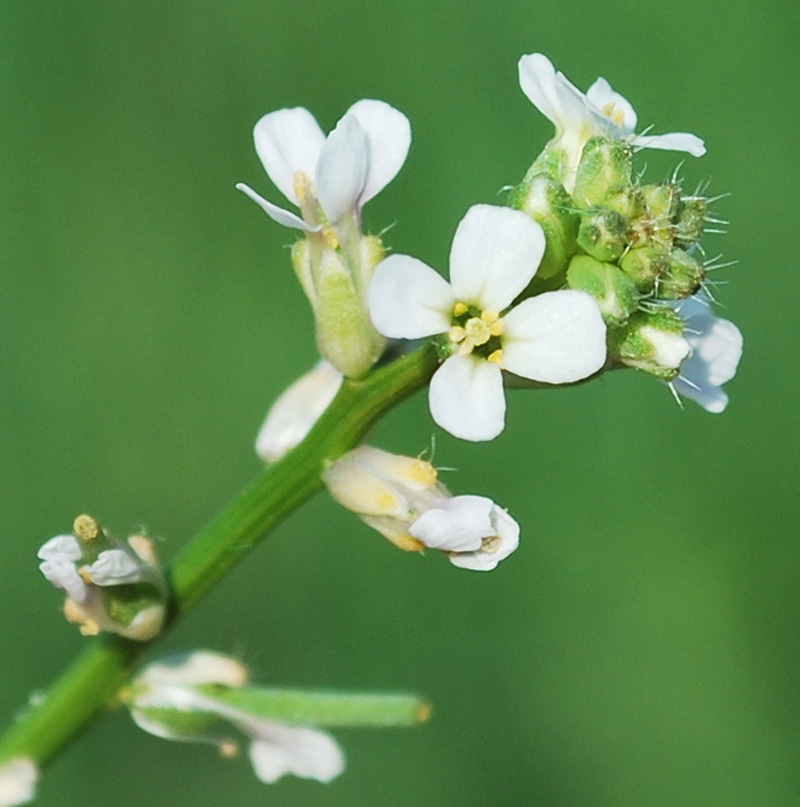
(641, 648)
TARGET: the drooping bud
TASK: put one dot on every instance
(546, 201)
(683, 277)
(605, 170)
(603, 233)
(652, 341)
(402, 499)
(614, 291)
(111, 585)
(644, 265)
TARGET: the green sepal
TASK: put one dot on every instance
(630, 345)
(546, 201)
(644, 265)
(123, 603)
(614, 291)
(603, 233)
(180, 724)
(323, 708)
(605, 170)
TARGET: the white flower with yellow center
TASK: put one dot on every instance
(577, 117)
(329, 177)
(557, 337)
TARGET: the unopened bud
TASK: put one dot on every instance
(644, 265)
(546, 201)
(614, 291)
(683, 277)
(652, 341)
(692, 213)
(605, 170)
(603, 233)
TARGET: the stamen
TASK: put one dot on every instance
(491, 544)
(459, 309)
(456, 334)
(496, 357)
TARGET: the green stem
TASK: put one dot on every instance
(93, 680)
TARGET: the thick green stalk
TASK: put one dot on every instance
(93, 680)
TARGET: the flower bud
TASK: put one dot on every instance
(111, 585)
(652, 341)
(656, 223)
(614, 291)
(546, 201)
(682, 278)
(605, 170)
(692, 213)
(603, 233)
(336, 280)
(644, 265)
(402, 499)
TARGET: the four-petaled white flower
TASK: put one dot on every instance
(577, 117)
(716, 348)
(275, 748)
(556, 337)
(329, 177)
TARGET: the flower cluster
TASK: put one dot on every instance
(110, 585)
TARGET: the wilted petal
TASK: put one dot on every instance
(556, 337)
(18, 779)
(389, 136)
(307, 753)
(64, 575)
(491, 553)
(408, 299)
(495, 253)
(191, 669)
(297, 409)
(284, 217)
(674, 141)
(115, 567)
(342, 168)
(458, 524)
(613, 105)
(466, 398)
(288, 141)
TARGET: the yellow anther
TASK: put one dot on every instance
(489, 316)
(456, 334)
(491, 544)
(424, 474)
(228, 749)
(459, 309)
(302, 187)
(497, 328)
(496, 357)
(329, 238)
(386, 501)
(86, 528)
(478, 331)
(617, 115)
(85, 574)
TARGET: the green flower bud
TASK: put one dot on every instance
(614, 291)
(651, 341)
(605, 170)
(692, 213)
(644, 265)
(628, 202)
(683, 277)
(335, 281)
(655, 225)
(545, 200)
(603, 233)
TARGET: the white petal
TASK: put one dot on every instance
(296, 410)
(674, 141)
(408, 299)
(507, 531)
(342, 168)
(64, 575)
(62, 547)
(114, 567)
(556, 337)
(603, 96)
(466, 398)
(18, 779)
(458, 524)
(288, 141)
(308, 753)
(189, 669)
(389, 136)
(284, 217)
(495, 253)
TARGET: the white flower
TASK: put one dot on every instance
(18, 779)
(296, 410)
(556, 337)
(716, 348)
(401, 498)
(577, 117)
(275, 748)
(329, 177)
